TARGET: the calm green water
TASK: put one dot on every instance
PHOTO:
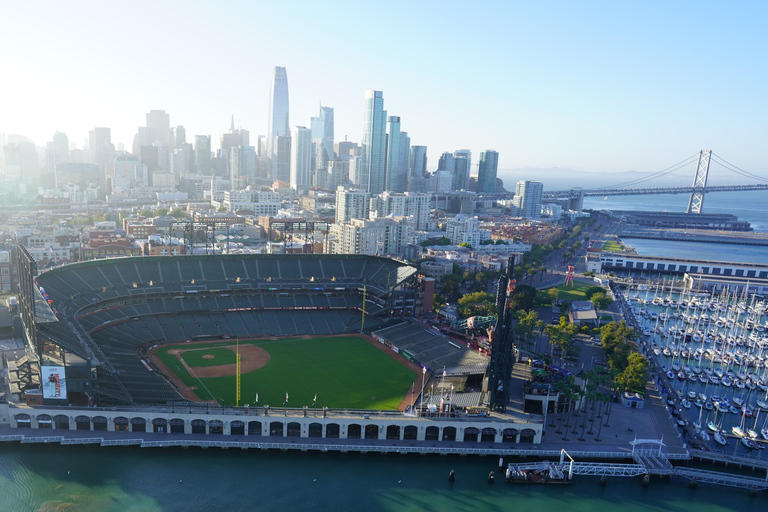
(48, 478)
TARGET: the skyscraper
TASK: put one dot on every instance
(203, 154)
(528, 198)
(396, 167)
(486, 172)
(301, 158)
(371, 171)
(278, 115)
(417, 167)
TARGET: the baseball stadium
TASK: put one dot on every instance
(323, 345)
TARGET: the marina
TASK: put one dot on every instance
(709, 354)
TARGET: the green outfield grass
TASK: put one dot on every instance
(220, 356)
(345, 372)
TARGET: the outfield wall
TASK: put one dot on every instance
(254, 424)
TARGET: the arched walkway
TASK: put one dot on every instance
(509, 435)
(254, 428)
(470, 434)
(276, 429)
(527, 435)
(294, 429)
(332, 430)
(449, 434)
(488, 435)
(371, 432)
(159, 425)
(23, 420)
(393, 432)
(198, 426)
(99, 423)
(432, 434)
(315, 430)
(138, 425)
(216, 427)
(82, 423)
(237, 428)
(176, 426)
(354, 431)
(62, 422)
(44, 421)
(410, 433)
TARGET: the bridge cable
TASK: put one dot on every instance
(738, 170)
(655, 175)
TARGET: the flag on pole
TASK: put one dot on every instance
(315, 399)
(443, 371)
(257, 397)
(286, 396)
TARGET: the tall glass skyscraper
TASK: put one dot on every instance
(397, 166)
(486, 171)
(372, 167)
(278, 114)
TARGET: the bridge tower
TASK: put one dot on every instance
(696, 201)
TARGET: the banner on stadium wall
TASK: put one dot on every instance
(395, 349)
(54, 382)
(407, 355)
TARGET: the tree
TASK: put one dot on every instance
(523, 297)
(553, 294)
(443, 241)
(601, 301)
(592, 290)
(478, 303)
(466, 245)
(542, 271)
(526, 325)
(449, 289)
(634, 375)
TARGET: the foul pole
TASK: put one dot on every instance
(362, 319)
(237, 379)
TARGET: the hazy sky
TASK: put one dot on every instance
(590, 85)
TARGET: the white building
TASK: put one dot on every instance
(260, 202)
(465, 229)
(351, 204)
(372, 237)
(412, 205)
(301, 159)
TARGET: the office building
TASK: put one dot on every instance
(351, 204)
(398, 143)
(528, 198)
(278, 117)
(202, 154)
(301, 173)
(371, 170)
(487, 170)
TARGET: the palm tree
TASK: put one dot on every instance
(603, 398)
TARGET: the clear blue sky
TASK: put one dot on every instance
(589, 85)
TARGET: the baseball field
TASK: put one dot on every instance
(341, 371)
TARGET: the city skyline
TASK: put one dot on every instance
(597, 86)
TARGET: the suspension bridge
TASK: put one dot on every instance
(646, 185)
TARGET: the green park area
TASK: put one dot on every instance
(578, 292)
(612, 246)
(343, 372)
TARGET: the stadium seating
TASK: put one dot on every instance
(124, 304)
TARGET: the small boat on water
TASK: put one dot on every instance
(720, 439)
